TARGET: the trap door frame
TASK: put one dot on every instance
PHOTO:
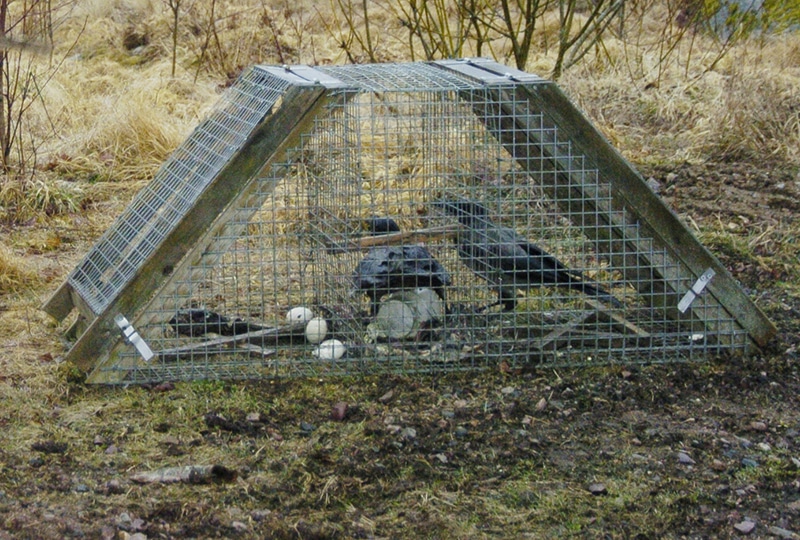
(630, 193)
(94, 352)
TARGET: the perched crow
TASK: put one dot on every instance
(388, 269)
(383, 225)
(196, 322)
(508, 261)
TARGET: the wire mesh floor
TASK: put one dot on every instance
(435, 156)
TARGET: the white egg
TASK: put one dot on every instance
(316, 330)
(332, 349)
(299, 314)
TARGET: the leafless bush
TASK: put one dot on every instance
(26, 32)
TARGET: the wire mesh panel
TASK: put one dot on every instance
(424, 223)
(155, 211)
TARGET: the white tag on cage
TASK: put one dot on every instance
(133, 337)
(696, 289)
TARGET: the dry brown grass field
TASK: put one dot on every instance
(706, 450)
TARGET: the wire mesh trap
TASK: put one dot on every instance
(395, 217)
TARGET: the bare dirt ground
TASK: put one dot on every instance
(706, 450)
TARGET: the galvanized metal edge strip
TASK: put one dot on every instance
(488, 71)
(302, 75)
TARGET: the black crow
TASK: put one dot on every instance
(508, 261)
(387, 269)
(382, 225)
(196, 322)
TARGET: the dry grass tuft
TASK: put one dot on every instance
(742, 107)
(15, 272)
(124, 125)
(24, 198)
(757, 119)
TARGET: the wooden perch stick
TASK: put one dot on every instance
(616, 317)
(224, 344)
(398, 238)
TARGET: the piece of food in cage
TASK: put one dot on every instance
(316, 330)
(388, 269)
(510, 262)
(331, 349)
(404, 314)
(299, 314)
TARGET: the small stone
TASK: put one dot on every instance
(764, 447)
(260, 515)
(114, 486)
(170, 440)
(306, 427)
(138, 536)
(112, 450)
(461, 431)
(749, 463)
(541, 405)
(508, 390)
(685, 459)
(238, 526)
(99, 441)
(794, 506)
(448, 413)
(597, 489)
(758, 426)
(782, 533)
(339, 411)
(408, 433)
(387, 397)
(718, 465)
(745, 527)
(254, 417)
(745, 443)
(82, 488)
(441, 458)
(36, 461)
(108, 533)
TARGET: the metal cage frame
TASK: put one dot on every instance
(324, 137)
